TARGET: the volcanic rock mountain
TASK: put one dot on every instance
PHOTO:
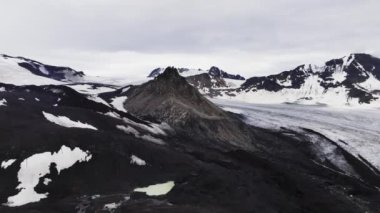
(162, 147)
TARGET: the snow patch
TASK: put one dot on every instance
(118, 103)
(153, 139)
(232, 83)
(111, 207)
(156, 129)
(112, 114)
(47, 181)
(124, 89)
(90, 89)
(339, 76)
(95, 196)
(3, 102)
(97, 99)
(44, 70)
(129, 130)
(66, 122)
(37, 166)
(7, 163)
(371, 83)
(138, 161)
(157, 189)
(133, 131)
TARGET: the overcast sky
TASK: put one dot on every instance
(130, 38)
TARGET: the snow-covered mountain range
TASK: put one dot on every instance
(353, 80)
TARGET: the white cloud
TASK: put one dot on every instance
(130, 37)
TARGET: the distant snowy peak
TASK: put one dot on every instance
(351, 80)
(22, 71)
(64, 74)
(186, 72)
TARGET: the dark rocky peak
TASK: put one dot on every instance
(301, 68)
(156, 72)
(363, 61)
(334, 62)
(216, 72)
(170, 83)
(204, 81)
(170, 74)
(357, 66)
(170, 98)
(368, 62)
